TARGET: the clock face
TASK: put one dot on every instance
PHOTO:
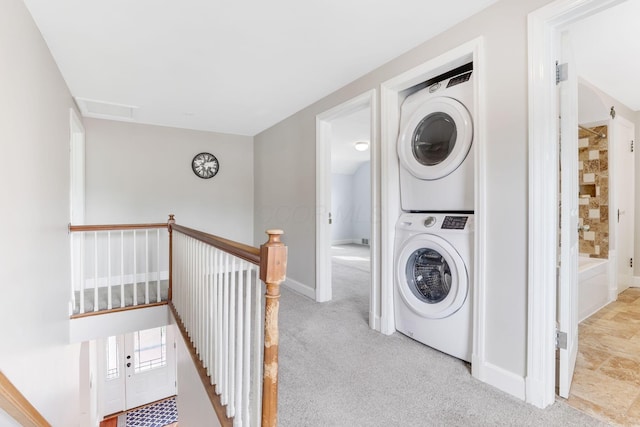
(205, 165)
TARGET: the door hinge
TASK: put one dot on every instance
(561, 340)
(630, 262)
(632, 145)
(562, 72)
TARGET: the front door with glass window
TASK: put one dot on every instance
(138, 368)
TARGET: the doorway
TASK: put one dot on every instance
(544, 50)
(346, 236)
(136, 368)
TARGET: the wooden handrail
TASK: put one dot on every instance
(245, 252)
(16, 405)
(115, 227)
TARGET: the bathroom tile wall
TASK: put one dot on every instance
(593, 178)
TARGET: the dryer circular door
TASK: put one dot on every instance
(431, 276)
(436, 139)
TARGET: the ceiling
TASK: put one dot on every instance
(228, 66)
(606, 46)
(345, 132)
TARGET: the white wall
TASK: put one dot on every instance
(194, 406)
(285, 197)
(34, 256)
(141, 173)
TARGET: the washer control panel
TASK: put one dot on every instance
(454, 222)
(430, 221)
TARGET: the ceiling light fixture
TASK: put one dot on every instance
(361, 145)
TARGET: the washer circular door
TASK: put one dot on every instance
(436, 139)
(431, 276)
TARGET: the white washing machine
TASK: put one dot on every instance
(433, 287)
(435, 147)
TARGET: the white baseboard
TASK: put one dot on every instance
(499, 378)
(300, 288)
(347, 242)
(374, 321)
(127, 278)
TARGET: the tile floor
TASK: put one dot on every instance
(606, 382)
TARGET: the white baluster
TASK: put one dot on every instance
(82, 279)
(158, 268)
(246, 356)
(146, 266)
(121, 268)
(95, 271)
(232, 338)
(135, 270)
(109, 302)
(239, 346)
(225, 332)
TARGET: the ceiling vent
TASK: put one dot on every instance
(105, 110)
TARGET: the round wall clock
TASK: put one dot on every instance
(205, 165)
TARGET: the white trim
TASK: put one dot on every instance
(390, 183)
(300, 288)
(127, 279)
(499, 378)
(323, 197)
(613, 275)
(544, 25)
(354, 241)
(323, 208)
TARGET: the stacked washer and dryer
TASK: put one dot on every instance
(435, 232)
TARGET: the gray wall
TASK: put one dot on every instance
(341, 207)
(362, 202)
(351, 205)
(142, 173)
(285, 178)
(34, 256)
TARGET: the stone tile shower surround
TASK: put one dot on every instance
(593, 203)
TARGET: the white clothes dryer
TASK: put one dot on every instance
(433, 280)
(435, 147)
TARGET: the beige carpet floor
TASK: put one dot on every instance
(335, 371)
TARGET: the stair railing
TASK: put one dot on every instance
(18, 407)
(216, 295)
(117, 267)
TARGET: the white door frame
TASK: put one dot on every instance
(544, 26)
(323, 200)
(617, 147)
(390, 99)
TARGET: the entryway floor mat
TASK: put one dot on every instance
(158, 414)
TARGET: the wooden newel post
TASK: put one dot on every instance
(170, 222)
(273, 269)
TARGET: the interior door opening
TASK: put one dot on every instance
(606, 209)
(346, 234)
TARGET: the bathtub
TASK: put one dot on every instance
(593, 285)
